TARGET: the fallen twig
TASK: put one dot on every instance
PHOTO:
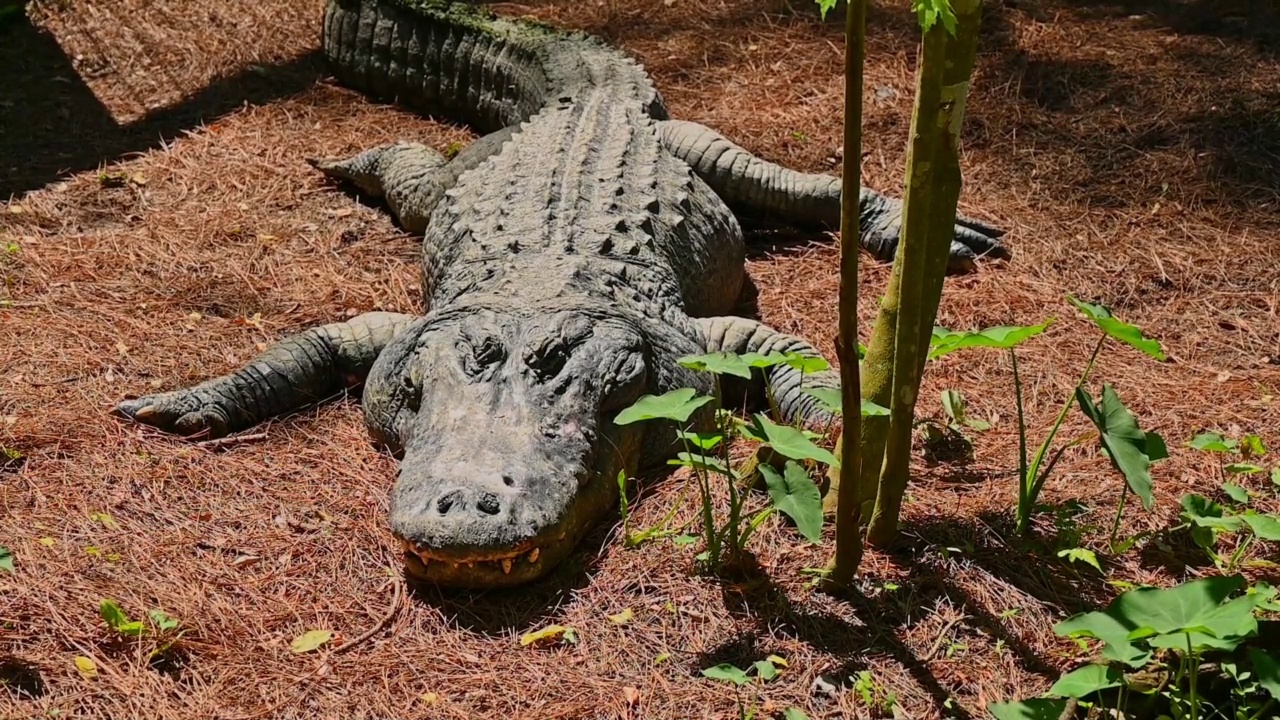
(382, 621)
(232, 440)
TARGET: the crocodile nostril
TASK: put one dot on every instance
(508, 481)
(488, 504)
(447, 501)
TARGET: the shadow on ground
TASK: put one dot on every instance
(52, 125)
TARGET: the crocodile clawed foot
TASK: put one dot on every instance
(361, 169)
(974, 239)
(180, 412)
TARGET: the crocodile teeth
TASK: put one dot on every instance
(533, 555)
(506, 566)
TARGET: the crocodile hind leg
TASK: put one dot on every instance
(412, 177)
(297, 371)
(758, 188)
(785, 384)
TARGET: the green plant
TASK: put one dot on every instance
(117, 619)
(1207, 520)
(1155, 646)
(955, 409)
(763, 670)
(1130, 451)
(158, 625)
(661, 530)
(1245, 453)
(791, 491)
(872, 694)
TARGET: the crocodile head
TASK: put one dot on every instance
(509, 452)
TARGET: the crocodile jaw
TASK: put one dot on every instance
(530, 560)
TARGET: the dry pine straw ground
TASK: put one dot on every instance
(1133, 164)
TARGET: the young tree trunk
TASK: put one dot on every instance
(929, 209)
(848, 553)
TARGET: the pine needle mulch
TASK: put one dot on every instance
(163, 227)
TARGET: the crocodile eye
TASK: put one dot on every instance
(477, 356)
(547, 361)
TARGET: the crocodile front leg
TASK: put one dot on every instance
(298, 371)
(412, 177)
(786, 384)
(759, 188)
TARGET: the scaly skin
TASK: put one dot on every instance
(570, 257)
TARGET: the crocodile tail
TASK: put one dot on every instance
(463, 62)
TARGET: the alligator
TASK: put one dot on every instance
(570, 256)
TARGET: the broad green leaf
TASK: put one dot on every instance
(6, 559)
(1242, 468)
(1088, 679)
(1156, 448)
(1124, 441)
(1001, 337)
(795, 713)
(726, 673)
(978, 424)
(684, 540)
(1212, 442)
(1266, 527)
(1206, 513)
(756, 360)
(807, 364)
(708, 463)
(1264, 595)
(661, 658)
(1236, 493)
(929, 12)
(1190, 605)
(1275, 475)
(832, 400)
(765, 670)
(162, 621)
(310, 640)
(704, 441)
(870, 409)
(1124, 332)
(1083, 555)
(824, 7)
(87, 668)
(1266, 668)
(1033, 709)
(676, 405)
(118, 620)
(953, 405)
(794, 493)
(623, 617)
(549, 632)
(1253, 445)
(718, 363)
(790, 442)
(779, 661)
(1222, 628)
